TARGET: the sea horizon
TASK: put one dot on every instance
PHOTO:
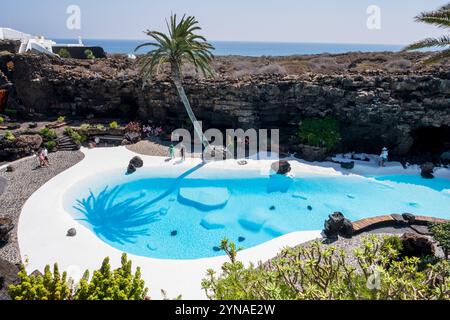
(246, 48)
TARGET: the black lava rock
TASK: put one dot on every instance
(174, 233)
(137, 162)
(216, 249)
(241, 239)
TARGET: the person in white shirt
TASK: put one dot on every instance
(45, 155)
(384, 157)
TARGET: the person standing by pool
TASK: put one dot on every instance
(183, 152)
(384, 157)
(172, 152)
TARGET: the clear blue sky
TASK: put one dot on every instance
(336, 21)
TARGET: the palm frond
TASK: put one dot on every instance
(438, 57)
(443, 41)
(180, 45)
(440, 18)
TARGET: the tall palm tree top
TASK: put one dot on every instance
(440, 18)
(181, 45)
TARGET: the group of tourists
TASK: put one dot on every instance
(152, 131)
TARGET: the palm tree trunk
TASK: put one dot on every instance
(176, 78)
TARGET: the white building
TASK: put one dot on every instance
(27, 42)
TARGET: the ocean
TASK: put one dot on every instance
(253, 49)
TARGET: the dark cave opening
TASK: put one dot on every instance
(128, 108)
(430, 143)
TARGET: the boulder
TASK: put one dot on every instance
(427, 170)
(137, 162)
(72, 232)
(281, 167)
(348, 165)
(337, 225)
(415, 245)
(133, 137)
(10, 168)
(8, 276)
(29, 142)
(312, 154)
(409, 217)
(6, 225)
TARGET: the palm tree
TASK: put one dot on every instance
(181, 45)
(440, 18)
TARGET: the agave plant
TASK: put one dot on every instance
(181, 45)
(119, 222)
(440, 18)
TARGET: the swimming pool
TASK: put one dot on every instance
(185, 216)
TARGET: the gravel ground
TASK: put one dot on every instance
(21, 184)
(155, 148)
(150, 148)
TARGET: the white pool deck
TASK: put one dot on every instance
(44, 223)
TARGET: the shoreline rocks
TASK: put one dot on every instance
(338, 225)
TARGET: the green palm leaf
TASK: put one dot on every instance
(440, 18)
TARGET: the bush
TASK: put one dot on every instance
(100, 127)
(10, 136)
(114, 125)
(393, 243)
(50, 145)
(2, 120)
(324, 133)
(50, 286)
(64, 53)
(89, 54)
(319, 272)
(441, 233)
(134, 127)
(106, 284)
(48, 134)
(75, 136)
(85, 126)
(61, 119)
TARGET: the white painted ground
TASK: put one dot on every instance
(44, 223)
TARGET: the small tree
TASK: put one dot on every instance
(441, 233)
(64, 53)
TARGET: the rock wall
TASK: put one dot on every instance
(375, 109)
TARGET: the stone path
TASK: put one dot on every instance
(21, 184)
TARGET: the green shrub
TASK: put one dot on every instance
(89, 54)
(441, 233)
(50, 145)
(64, 53)
(324, 133)
(2, 120)
(114, 125)
(393, 242)
(61, 119)
(48, 134)
(50, 286)
(75, 136)
(100, 127)
(322, 272)
(10, 136)
(106, 284)
(85, 126)
(10, 112)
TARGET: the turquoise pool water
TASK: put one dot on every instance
(187, 217)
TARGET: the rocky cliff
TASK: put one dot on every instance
(379, 99)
